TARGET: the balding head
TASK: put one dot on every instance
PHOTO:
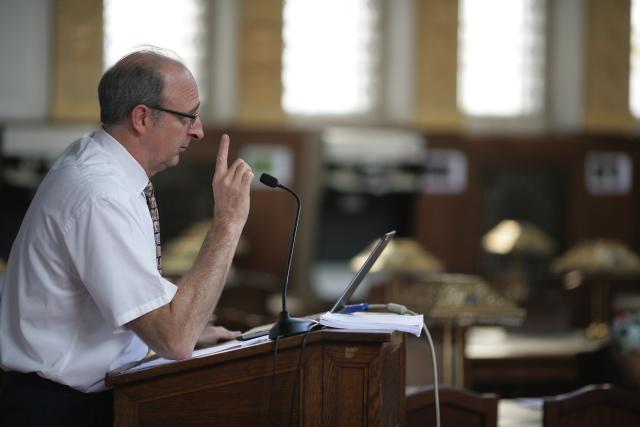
(138, 78)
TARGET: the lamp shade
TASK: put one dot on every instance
(402, 255)
(598, 256)
(179, 254)
(511, 236)
(460, 298)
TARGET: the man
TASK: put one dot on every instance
(83, 291)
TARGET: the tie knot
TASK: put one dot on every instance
(148, 190)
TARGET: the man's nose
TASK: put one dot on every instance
(197, 131)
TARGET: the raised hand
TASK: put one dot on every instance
(231, 187)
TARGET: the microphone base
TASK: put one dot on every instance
(288, 326)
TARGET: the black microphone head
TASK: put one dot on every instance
(269, 180)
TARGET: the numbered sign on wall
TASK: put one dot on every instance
(446, 172)
(608, 173)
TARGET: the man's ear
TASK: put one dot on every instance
(140, 118)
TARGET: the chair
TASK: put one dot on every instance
(593, 405)
(457, 407)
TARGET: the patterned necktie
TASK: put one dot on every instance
(155, 218)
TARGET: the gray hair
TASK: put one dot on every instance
(135, 79)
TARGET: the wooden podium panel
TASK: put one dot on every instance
(346, 378)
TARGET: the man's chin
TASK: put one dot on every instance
(174, 161)
(170, 163)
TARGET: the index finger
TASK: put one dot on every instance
(223, 152)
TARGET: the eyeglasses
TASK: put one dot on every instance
(192, 117)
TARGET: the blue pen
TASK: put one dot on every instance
(355, 308)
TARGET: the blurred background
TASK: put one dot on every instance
(499, 138)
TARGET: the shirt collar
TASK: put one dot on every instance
(134, 172)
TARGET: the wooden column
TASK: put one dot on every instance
(437, 64)
(608, 30)
(77, 60)
(260, 62)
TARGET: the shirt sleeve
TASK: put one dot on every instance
(114, 256)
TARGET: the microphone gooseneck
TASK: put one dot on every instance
(285, 285)
(287, 325)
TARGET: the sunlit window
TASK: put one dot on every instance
(501, 57)
(175, 25)
(634, 75)
(330, 57)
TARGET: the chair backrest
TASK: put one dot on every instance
(593, 405)
(457, 407)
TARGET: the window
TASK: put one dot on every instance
(330, 57)
(177, 26)
(634, 74)
(501, 57)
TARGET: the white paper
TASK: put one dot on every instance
(220, 348)
(374, 321)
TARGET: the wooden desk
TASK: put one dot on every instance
(513, 364)
(346, 378)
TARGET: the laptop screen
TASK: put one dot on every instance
(362, 272)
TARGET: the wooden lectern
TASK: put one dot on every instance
(346, 378)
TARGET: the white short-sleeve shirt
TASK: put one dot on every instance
(83, 265)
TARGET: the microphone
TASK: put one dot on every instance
(286, 325)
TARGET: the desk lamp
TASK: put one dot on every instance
(600, 261)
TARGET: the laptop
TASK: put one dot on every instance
(342, 301)
(362, 272)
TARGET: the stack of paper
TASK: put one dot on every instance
(374, 321)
